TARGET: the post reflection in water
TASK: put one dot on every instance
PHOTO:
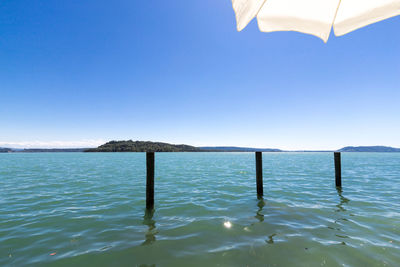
(259, 216)
(150, 236)
(270, 239)
(343, 200)
(342, 211)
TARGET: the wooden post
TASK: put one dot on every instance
(259, 175)
(338, 169)
(150, 180)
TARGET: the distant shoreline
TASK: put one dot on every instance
(144, 146)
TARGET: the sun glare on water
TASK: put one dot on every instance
(227, 224)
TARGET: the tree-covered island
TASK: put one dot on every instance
(142, 146)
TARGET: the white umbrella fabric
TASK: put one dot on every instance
(314, 17)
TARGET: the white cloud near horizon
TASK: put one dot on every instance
(87, 143)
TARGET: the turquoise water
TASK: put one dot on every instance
(78, 209)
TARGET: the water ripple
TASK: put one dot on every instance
(63, 209)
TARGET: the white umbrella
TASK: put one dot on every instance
(314, 17)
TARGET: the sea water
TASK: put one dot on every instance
(88, 209)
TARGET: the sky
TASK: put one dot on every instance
(80, 73)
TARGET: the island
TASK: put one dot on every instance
(369, 149)
(147, 146)
(142, 146)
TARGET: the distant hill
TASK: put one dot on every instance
(369, 149)
(5, 150)
(237, 149)
(140, 146)
(37, 150)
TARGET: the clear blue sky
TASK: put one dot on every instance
(78, 73)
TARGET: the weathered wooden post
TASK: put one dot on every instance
(338, 169)
(259, 175)
(150, 180)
